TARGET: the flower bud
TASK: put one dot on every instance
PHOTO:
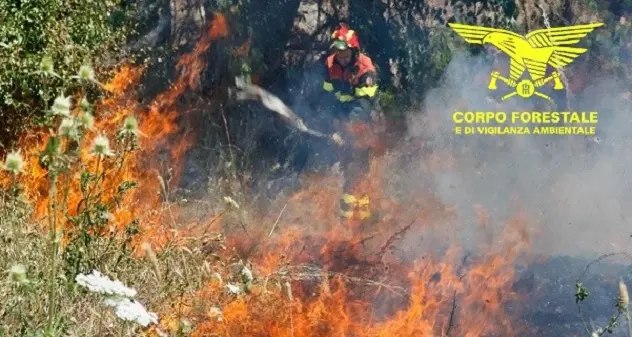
(46, 65)
(61, 106)
(86, 120)
(101, 146)
(130, 126)
(86, 73)
(17, 274)
(68, 128)
(14, 162)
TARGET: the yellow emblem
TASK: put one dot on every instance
(532, 52)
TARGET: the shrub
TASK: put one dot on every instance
(59, 33)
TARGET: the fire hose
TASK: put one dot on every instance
(248, 91)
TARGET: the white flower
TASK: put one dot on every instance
(98, 283)
(119, 297)
(216, 277)
(14, 162)
(61, 106)
(185, 326)
(131, 310)
(101, 146)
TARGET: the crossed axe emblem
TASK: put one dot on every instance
(525, 88)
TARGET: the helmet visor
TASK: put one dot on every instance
(339, 45)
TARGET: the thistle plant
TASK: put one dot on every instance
(86, 120)
(14, 163)
(86, 75)
(47, 67)
(622, 306)
(61, 106)
(101, 148)
(84, 251)
(62, 158)
(68, 128)
(17, 274)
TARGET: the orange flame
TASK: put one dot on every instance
(357, 292)
(159, 130)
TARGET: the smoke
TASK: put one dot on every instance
(574, 189)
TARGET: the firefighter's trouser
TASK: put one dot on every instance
(355, 204)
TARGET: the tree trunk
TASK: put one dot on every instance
(311, 29)
(187, 21)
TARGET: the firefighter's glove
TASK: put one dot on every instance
(337, 139)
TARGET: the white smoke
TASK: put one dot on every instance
(574, 188)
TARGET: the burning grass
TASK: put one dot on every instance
(103, 205)
(294, 272)
(95, 185)
(326, 284)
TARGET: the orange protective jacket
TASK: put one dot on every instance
(359, 80)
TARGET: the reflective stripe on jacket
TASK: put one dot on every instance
(350, 83)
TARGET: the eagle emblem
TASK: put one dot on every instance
(532, 52)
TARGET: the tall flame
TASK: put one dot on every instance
(356, 291)
(160, 130)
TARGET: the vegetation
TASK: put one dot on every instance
(62, 34)
(82, 175)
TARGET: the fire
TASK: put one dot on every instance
(312, 277)
(160, 131)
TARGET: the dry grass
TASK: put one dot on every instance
(167, 279)
(178, 269)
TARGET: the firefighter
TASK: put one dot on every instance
(351, 85)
